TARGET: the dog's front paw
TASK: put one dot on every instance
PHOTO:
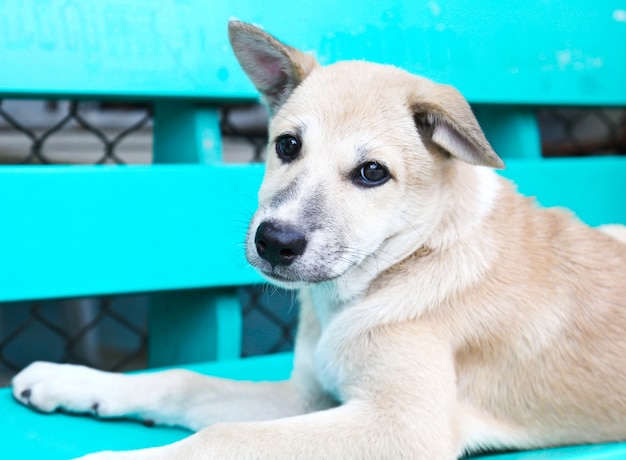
(47, 387)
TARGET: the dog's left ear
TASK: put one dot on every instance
(443, 117)
(274, 68)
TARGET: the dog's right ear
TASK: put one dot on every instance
(274, 68)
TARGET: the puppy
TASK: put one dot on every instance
(441, 312)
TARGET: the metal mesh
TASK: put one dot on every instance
(270, 317)
(70, 132)
(107, 333)
(582, 132)
(244, 125)
(110, 332)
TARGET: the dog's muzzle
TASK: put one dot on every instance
(280, 244)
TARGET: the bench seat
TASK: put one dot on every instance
(29, 435)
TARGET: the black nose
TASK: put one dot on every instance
(279, 244)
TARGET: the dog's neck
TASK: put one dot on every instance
(472, 193)
(331, 297)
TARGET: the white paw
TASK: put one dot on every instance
(47, 387)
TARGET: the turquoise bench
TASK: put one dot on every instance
(184, 212)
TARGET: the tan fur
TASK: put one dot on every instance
(441, 312)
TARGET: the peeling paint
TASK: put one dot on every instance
(434, 8)
(577, 60)
(619, 15)
(596, 62)
(563, 58)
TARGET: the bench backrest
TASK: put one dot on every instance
(514, 52)
(82, 230)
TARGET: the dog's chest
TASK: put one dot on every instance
(338, 344)
(330, 369)
(339, 357)
(330, 366)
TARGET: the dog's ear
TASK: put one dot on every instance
(274, 68)
(443, 117)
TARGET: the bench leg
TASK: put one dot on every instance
(512, 131)
(184, 133)
(194, 325)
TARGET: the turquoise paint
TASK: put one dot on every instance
(162, 220)
(519, 51)
(594, 188)
(184, 133)
(28, 435)
(512, 131)
(31, 436)
(615, 451)
(88, 230)
(193, 326)
(202, 324)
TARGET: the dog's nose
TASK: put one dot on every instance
(279, 244)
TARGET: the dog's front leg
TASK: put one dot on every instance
(173, 397)
(400, 402)
(352, 431)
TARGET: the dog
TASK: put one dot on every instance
(442, 313)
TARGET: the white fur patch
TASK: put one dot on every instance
(489, 187)
(617, 231)
(480, 431)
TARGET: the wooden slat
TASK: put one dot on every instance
(71, 231)
(518, 51)
(83, 230)
(594, 188)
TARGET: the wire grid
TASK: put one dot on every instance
(575, 132)
(110, 332)
(270, 319)
(99, 332)
(253, 133)
(76, 119)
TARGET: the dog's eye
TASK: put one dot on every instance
(287, 147)
(370, 174)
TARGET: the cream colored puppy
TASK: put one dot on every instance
(442, 312)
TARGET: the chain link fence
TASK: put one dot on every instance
(576, 132)
(110, 332)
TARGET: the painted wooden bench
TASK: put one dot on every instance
(182, 215)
